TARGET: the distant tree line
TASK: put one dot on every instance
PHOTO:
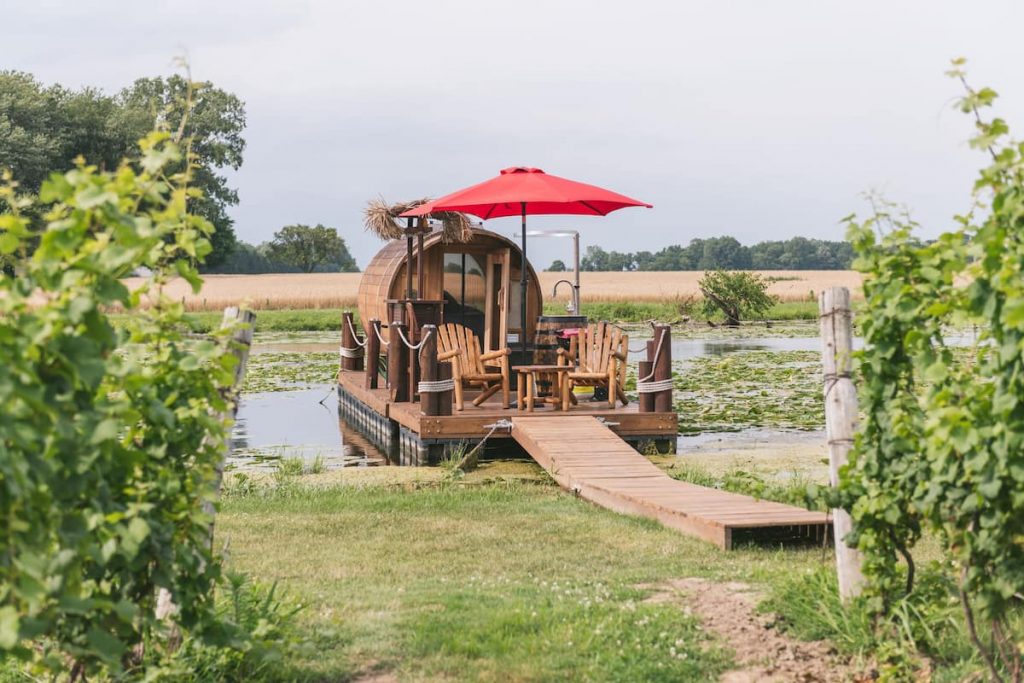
(294, 249)
(714, 253)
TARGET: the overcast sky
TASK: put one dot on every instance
(758, 119)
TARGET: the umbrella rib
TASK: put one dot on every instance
(490, 211)
(592, 208)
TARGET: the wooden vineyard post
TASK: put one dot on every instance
(840, 421)
(663, 366)
(372, 353)
(241, 341)
(398, 363)
(429, 400)
(350, 351)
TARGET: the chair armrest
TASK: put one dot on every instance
(491, 355)
(447, 354)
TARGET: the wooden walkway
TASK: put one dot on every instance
(586, 457)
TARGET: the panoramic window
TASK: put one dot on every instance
(465, 291)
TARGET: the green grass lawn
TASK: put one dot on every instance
(494, 581)
(502, 581)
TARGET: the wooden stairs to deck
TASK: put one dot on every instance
(586, 457)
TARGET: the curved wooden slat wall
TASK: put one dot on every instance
(384, 276)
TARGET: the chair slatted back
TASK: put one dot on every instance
(454, 337)
(595, 347)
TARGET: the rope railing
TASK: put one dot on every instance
(355, 337)
(383, 342)
(654, 365)
(414, 347)
(653, 323)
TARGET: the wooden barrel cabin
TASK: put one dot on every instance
(473, 283)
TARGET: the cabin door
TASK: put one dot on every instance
(496, 313)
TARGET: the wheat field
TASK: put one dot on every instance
(338, 290)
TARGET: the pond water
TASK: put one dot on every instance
(304, 423)
(300, 424)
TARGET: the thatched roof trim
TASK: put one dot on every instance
(382, 219)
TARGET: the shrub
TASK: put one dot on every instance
(941, 449)
(736, 295)
(111, 437)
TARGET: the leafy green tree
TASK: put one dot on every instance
(31, 123)
(557, 266)
(46, 128)
(736, 295)
(723, 253)
(214, 125)
(311, 248)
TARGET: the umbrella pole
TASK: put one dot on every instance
(420, 283)
(522, 290)
(408, 258)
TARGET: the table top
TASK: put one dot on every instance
(541, 368)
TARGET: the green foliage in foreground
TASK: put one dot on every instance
(111, 437)
(941, 450)
(926, 623)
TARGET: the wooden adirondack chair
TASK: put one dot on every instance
(599, 353)
(470, 367)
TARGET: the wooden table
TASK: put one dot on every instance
(526, 385)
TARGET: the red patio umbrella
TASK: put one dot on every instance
(519, 191)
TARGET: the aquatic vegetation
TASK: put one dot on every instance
(289, 371)
(779, 389)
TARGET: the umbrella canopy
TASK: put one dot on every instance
(505, 194)
(518, 191)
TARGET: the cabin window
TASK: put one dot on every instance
(465, 291)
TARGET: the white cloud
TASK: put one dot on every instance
(761, 119)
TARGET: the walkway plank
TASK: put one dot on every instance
(586, 457)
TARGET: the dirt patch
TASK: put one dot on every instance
(728, 611)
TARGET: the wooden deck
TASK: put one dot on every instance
(587, 458)
(627, 421)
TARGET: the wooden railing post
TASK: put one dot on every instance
(414, 373)
(646, 400)
(372, 353)
(429, 400)
(840, 421)
(663, 366)
(398, 363)
(350, 351)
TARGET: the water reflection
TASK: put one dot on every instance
(301, 424)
